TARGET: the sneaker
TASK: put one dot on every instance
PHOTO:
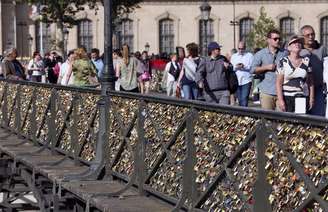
(256, 97)
(257, 102)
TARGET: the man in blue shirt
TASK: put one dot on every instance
(264, 64)
(97, 61)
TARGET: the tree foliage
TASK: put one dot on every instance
(63, 12)
(257, 37)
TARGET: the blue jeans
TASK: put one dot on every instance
(190, 91)
(243, 92)
(318, 108)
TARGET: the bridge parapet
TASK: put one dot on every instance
(194, 155)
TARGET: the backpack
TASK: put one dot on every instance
(232, 80)
(56, 69)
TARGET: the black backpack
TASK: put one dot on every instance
(232, 80)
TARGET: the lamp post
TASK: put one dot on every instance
(66, 33)
(40, 8)
(108, 78)
(107, 82)
(22, 25)
(30, 42)
(205, 10)
(147, 47)
(234, 23)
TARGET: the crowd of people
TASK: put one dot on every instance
(287, 78)
(79, 69)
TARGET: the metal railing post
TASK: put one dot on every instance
(189, 187)
(73, 129)
(33, 127)
(262, 188)
(18, 111)
(52, 129)
(141, 148)
(107, 82)
(5, 107)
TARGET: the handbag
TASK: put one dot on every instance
(56, 70)
(145, 76)
(93, 80)
(178, 92)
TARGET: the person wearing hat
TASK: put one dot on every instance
(294, 79)
(211, 76)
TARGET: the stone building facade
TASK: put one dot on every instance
(164, 24)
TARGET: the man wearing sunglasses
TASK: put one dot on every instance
(316, 53)
(265, 63)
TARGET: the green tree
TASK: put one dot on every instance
(257, 37)
(63, 12)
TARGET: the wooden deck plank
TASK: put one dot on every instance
(130, 201)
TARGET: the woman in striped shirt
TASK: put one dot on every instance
(294, 78)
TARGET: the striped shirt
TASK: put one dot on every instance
(294, 77)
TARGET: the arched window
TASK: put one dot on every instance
(206, 35)
(166, 36)
(245, 27)
(286, 28)
(85, 35)
(324, 31)
(126, 33)
(46, 37)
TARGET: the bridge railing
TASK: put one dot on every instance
(195, 155)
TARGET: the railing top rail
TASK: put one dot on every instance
(56, 86)
(233, 110)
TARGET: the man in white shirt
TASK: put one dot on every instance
(62, 79)
(242, 62)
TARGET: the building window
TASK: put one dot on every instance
(46, 37)
(206, 35)
(126, 33)
(286, 28)
(324, 31)
(245, 27)
(85, 35)
(166, 36)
